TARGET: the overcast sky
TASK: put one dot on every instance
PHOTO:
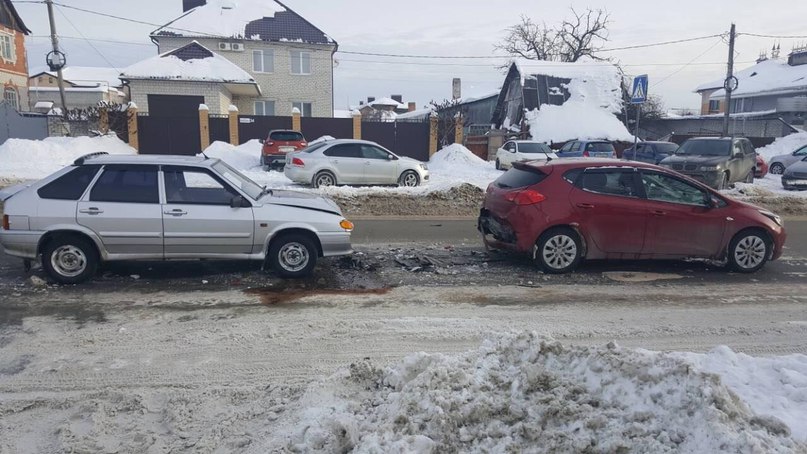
(451, 28)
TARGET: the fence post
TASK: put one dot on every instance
(356, 115)
(233, 111)
(295, 119)
(204, 126)
(104, 126)
(433, 127)
(458, 123)
(131, 119)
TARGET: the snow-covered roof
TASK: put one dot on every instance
(386, 102)
(772, 76)
(265, 20)
(342, 113)
(86, 75)
(192, 62)
(424, 112)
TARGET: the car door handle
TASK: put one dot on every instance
(659, 213)
(585, 205)
(91, 210)
(176, 212)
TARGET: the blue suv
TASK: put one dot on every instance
(587, 149)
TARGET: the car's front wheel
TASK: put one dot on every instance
(409, 178)
(777, 168)
(498, 165)
(69, 259)
(293, 255)
(323, 178)
(558, 250)
(748, 251)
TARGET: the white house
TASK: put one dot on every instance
(289, 59)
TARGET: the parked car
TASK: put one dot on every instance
(587, 149)
(650, 152)
(795, 176)
(108, 208)
(715, 161)
(347, 161)
(779, 163)
(761, 168)
(277, 144)
(563, 211)
(522, 150)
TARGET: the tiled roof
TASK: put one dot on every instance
(286, 26)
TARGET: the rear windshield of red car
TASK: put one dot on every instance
(287, 136)
(519, 177)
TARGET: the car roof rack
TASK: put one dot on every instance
(81, 160)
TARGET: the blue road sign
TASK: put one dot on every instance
(639, 93)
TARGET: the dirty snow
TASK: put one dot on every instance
(521, 392)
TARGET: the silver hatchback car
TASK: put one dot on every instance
(105, 208)
(348, 161)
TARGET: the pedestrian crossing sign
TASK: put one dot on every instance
(639, 93)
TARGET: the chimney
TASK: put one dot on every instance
(411, 107)
(456, 88)
(398, 98)
(370, 99)
(798, 56)
(190, 4)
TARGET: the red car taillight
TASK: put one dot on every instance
(297, 162)
(6, 224)
(585, 154)
(526, 197)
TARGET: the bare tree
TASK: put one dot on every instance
(581, 35)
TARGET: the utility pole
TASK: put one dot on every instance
(55, 41)
(730, 84)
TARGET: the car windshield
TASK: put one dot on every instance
(599, 146)
(252, 188)
(288, 136)
(533, 147)
(705, 148)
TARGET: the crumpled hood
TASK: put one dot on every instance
(6, 193)
(696, 159)
(301, 200)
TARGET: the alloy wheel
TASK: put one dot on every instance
(559, 251)
(750, 252)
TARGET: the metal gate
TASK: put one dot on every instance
(171, 126)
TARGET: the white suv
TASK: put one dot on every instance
(105, 208)
(347, 161)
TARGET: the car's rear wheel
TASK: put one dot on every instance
(777, 168)
(750, 177)
(498, 165)
(323, 178)
(749, 251)
(293, 255)
(409, 179)
(558, 250)
(69, 259)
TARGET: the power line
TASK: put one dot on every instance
(664, 43)
(690, 62)
(774, 36)
(82, 38)
(87, 40)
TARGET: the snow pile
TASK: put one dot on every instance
(23, 159)
(223, 18)
(455, 165)
(246, 158)
(166, 66)
(524, 393)
(783, 145)
(595, 98)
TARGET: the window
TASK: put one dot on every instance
(126, 184)
(287, 136)
(519, 178)
(263, 61)
(371, 152)
(10, 97)
(801, 152)
(69, 186)
(196, 187)
(303, 107)
(300, 62)
(611, 182)
(7, 47)
(714, 105)
(347, 150)
(532, 147)
(665, 188)
(577, 146)
(265, 108)
(567, 146)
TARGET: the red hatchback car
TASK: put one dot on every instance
(563, 211)
(277, 144)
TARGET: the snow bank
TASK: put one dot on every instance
(23, 159)
(525, 393)
(783, 145)
(575, 120)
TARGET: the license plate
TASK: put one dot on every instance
(798, 182)
(286, 149)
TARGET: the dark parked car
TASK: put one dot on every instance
(715, 161)
(277, 144)
(650, 152)
(562, 212)
(587, 149)
(795, 176)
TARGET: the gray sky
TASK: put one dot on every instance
(452, 28)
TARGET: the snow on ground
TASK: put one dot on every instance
(783, 145)
(22, 159)
(521, 392)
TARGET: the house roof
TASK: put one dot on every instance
(86, 75)
(772, 76)
(20, 25)
(265, 20)
(386, 102)
(192, 62)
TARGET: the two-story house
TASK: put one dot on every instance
(13, 60)
(290, 59)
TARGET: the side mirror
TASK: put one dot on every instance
(709, 201)
(239, 202)
(262, 141)
(390, 157)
